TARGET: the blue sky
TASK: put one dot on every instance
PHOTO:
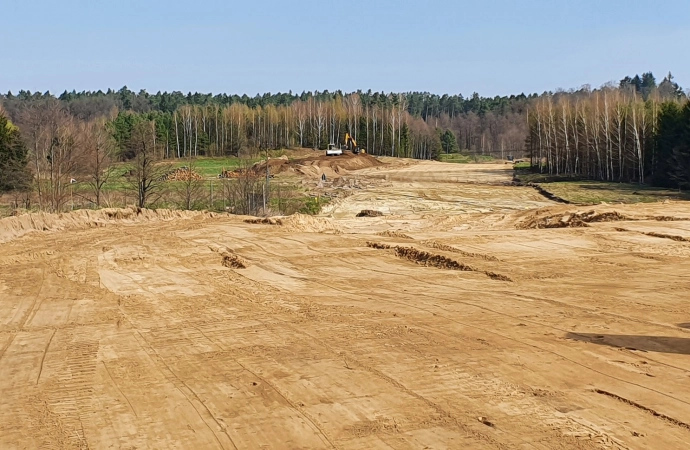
(494, 47)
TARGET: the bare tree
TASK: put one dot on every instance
(300, 121)
(99, 154)
(190, 188)
(52, 136)
(320, 124)
(147, 174)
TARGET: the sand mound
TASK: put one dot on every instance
(571, 219)
(263, 221)
(573, 216)
(315, 166)
(448, 248)
(668, 236)
(232, 261)
(299, 223)
(433, 260)
(310, 224)
(394, 234)
(14, 227)
(369, 213)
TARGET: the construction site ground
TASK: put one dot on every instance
(471, 315)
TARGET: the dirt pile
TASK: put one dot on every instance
(379, 246)
(570, 219)
(448, 248)
(299, 223)
(428, 259)
(309, 224)
(369, 213)
(394, 234)
(14, 227)
(668, 236)
(232, 261)
(433, 260)
(182, 174)
(263, 221)
(312, 166)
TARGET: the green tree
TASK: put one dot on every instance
(671, 163)
(449, 143)
(14, 175)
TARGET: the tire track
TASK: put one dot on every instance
(399, 386)
(174, 379)
(524, 343)
(37, 300)
(9, 343)
(43, 358)
(118, 389)
(664, 417)
(593, 313)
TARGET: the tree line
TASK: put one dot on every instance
(634, 132)
(486, 125)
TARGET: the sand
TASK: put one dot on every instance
(458, 319)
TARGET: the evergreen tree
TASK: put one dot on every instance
(13, 158)
(449, 143)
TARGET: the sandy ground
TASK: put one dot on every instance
(457, 320)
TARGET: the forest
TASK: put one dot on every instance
(636, 130)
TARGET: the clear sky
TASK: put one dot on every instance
(493, 47)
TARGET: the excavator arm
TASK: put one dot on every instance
(350, 142)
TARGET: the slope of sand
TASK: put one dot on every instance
(456, 320)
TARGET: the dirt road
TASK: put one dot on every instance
(469, 316)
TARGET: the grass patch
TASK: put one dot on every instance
(313, 205)
(212, 167)
(595, 192)
(460, 158)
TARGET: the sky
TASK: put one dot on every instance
(493, 47)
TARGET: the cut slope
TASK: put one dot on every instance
(14, 227)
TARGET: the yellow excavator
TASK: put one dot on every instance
(351, 144)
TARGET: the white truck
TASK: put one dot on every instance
(334, 150)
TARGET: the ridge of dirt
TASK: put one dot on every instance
(17, 226)
(369, 213)
(263, 221)
(299, 223)
(440, 246)
(672, 237)
(668, 236)
(547, 218)
(233, 261)
(644, 408)
(434, 260)
(313, 166)
(669, 218)
(394, 234)
(571, 219)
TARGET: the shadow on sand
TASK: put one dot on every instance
(658, 344)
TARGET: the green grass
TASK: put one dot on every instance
(587, 192)
(464, 159)
(313, 205)
(595, 192)
(212, 167)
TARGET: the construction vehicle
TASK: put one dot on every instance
(334, 150)
(351, 145)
